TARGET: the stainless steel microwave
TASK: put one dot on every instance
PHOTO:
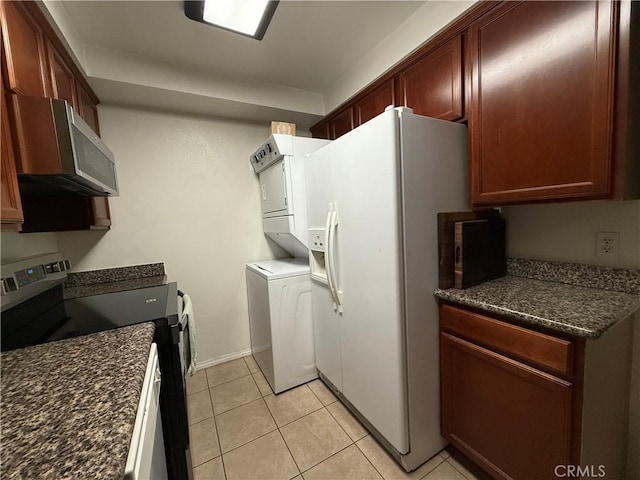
(57, 147)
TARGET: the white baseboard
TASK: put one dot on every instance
(222, 359)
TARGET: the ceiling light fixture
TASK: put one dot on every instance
(246, 17)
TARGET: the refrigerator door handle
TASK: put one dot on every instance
(327, 242)
(331, 261)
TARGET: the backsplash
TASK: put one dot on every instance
(592, 276)
(118, 274)
(110, 280)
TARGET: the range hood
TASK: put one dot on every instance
(56, 147)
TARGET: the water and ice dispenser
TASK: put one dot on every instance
(317, 258)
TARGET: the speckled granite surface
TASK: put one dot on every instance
(593, 276)
(68, 407)
(110, 280)
(581, 311)
(111, 287)
(107, 275)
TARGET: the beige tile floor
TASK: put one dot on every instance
(241, 430)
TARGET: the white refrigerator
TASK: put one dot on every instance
(372, 200)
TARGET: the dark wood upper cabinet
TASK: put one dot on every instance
(374, 102)
(432, 86)
(24, 51)
(11, 206)
(542, 87)
(63, 81)
(321, 130)
(341, 123)
(88, 108)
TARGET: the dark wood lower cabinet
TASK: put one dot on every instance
(525, 404)
(500, 411)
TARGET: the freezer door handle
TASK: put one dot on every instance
(331, 261)
(264, 192)
(327, 242)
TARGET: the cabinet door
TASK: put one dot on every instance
(11, 206)
(63, 84)
(541, 101)
(24, 51)
(322, 131)
(513, 420)
(375, 102)
(88, 108)
(433, 85)
(342, 123)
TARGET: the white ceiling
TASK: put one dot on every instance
(309, 45)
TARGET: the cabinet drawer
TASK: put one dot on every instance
(544, 351)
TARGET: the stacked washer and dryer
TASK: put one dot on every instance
(279, 291)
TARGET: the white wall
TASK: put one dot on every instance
(188, 198)
(16, 246)
(567, 232)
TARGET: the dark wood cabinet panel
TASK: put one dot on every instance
(321, 131)
(541, 100)
(341, 123)
(512, 419)
(374, 102)
(63, 84)
(432, 86)
(88, 108)
(24, 50)
(11, 206)
(100, 213)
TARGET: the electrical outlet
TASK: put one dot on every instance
(607, 244)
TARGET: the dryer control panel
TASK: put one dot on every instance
(271, 151)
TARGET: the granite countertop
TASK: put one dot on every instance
(578, 310)
(68, 407)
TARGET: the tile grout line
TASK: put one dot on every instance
(224, 470)
(272, 418)
(240, 406)
(228, 381)
(457, 469)
(281, 435)
(330, 456)
(368, 460)
(340, 425)
(442, 460)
